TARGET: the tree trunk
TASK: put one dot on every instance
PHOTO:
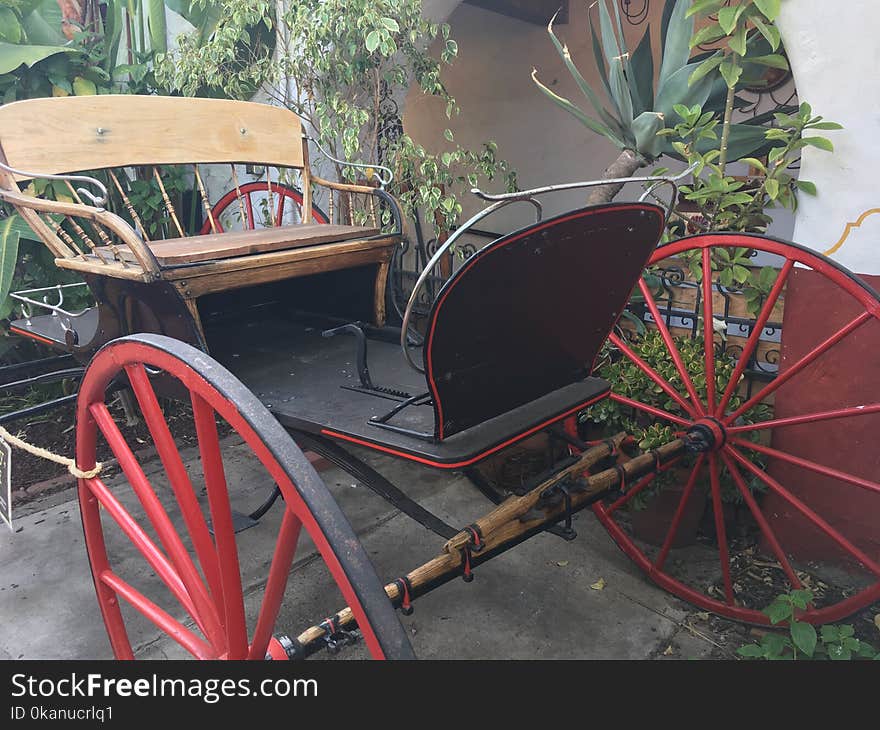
(624, 166)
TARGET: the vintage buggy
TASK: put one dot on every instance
(245, 324)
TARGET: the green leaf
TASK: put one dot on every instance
(704, 6)
(645, 128)
(204, 17)
(84, 87)
(709, 34)
(727, 17)
(752, 651)
(372, 40)
(772, 187)
(10, 28)
(705, 67)
(642, 65)
(731, 73)
(774, 645)
(585, 88)
(8, 256)
(41, 22)
(770, 32)
(737, 42)
(826, 125)
(391, 25)
(804, 637)
(620, 93)
(778, 611)
(772, 59)
(597, 55)
(12, 56)
(587, 121)
(609, 40)
(770, 8)
(677, 89)
(819, 142)
(808, 187)
(676, 48)
(156, 24)
(838, 652)
(800, 598)
(754, 162)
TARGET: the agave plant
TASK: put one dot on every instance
(639, 110)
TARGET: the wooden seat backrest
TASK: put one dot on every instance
(76, 133)
(527, 315)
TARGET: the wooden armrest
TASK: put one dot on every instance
(380, 192)
(99, 216)
(348, 187)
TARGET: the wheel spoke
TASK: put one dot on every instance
(673, 350)
(761, 520)
(651, 373)
(679, 513)
(808, 513)
(224, 531)
(285, 549)
(639, 486)
(708, 331)
(206, 611)
(279, 216)
(178, 476)
(809, 465)
(151, 552)
(164, 621)
(807, 418)
(649, 409)
(720, 531)
(789, 373)
(251, 224)
(754, 338)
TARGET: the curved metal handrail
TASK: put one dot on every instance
(383, 181)
(98, 202)
(502, 200)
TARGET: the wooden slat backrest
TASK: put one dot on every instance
(71, 134)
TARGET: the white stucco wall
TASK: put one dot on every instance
(835, 58)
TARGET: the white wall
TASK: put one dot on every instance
(835, 59)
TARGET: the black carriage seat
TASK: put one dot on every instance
(510, 345)
(517, 328)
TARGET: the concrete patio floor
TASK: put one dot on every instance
(534, 602)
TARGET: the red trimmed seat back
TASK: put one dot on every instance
(528, 313)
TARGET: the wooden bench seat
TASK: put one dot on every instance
(133, 141)
(229, 244)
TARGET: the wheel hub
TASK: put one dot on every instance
(706, 435)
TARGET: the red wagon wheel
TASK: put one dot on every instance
(254, 205)
(783, 449)
(200, 567)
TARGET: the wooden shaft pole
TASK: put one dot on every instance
(519, 515)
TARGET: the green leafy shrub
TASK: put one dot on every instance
(341, 59)
(836, 642)
(630, 381)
